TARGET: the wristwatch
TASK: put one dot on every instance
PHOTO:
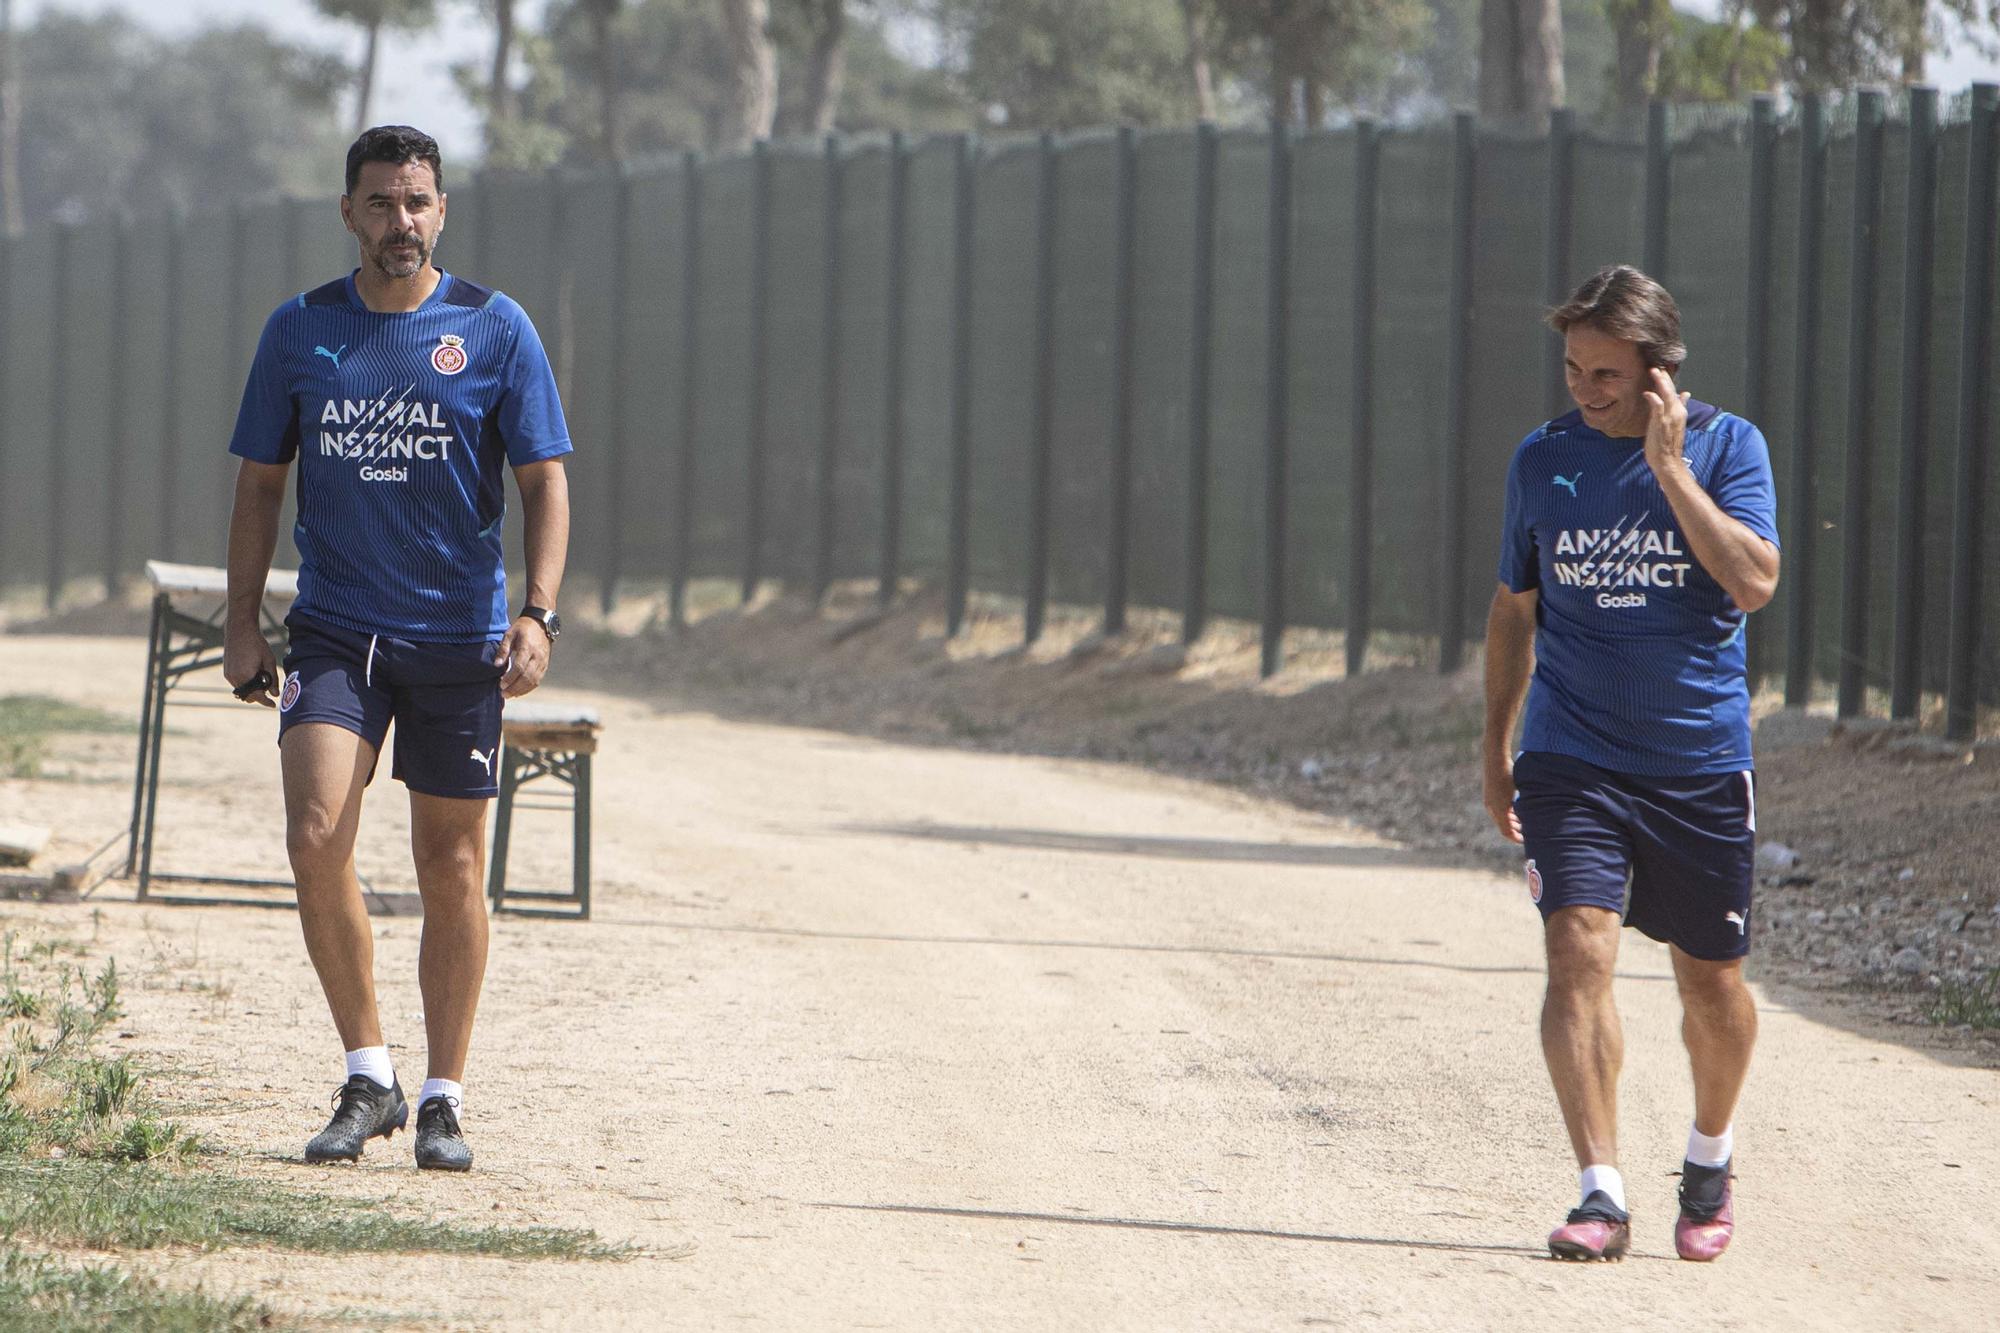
(547, 619)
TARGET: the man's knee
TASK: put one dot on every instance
(446, 864)
(1710, 987)
(1582, 948)
(314, 837)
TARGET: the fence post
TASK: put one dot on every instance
(1451, 608)
(171, 407)
(239, 294)
(1974, 425)
(117, 482)
(1277, 395)
(1659, 186)
(482, 224)
(1919, 255)
(958, 574)
(1852, 690)
(1201, 361)
(1762, 224)
(294, 247)
(683, 548)
(892, 375)
(615, 441)
(1361, 401)
(1044, 392)
(760, 366)
(59, 396)
(8, 438)
(833, 190)
(1557, 280)
(1802, 528)
(1125, 242)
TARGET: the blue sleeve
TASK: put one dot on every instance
(1742, 485)
(530, 412)
(267, 423)
(1520, 563)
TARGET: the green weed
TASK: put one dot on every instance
(27, 721)
(45, 1297)
(105, 1204)
(1976, 1002)
(86, 1159)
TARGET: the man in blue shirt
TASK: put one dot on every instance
(1640, 531)
(403, 394)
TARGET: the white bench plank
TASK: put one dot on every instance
(549, 715)
(282, 584)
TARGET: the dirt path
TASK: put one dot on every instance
(872, 1036)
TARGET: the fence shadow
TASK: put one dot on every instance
(1173, 849)
(1197, 1228)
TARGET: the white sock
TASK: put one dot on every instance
(1706, 1150)
(453, 1093)
(374, 1062)
(1605, 1180)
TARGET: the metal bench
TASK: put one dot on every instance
(180, 644)
(555, 742)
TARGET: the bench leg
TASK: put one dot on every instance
(503, 819)
(580, 799)
(161, 683)
(153, 666)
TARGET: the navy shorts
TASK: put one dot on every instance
(1685, 847)
(443, 697)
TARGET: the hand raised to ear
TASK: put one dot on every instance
(1666, 421)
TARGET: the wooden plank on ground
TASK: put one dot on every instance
(21, 843)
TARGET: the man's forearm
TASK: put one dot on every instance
(253, 539)
(1510, 660)
(1742, 562)
(545, 510)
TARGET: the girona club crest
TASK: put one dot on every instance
(448, 357)
(291, 694)
(1534, 883)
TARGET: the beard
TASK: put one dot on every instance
(391, 265)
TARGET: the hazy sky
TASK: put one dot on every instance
(414, 84)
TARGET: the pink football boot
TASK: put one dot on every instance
(1597, 1230)
(1708, 1213)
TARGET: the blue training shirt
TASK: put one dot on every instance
(1639, 653)
(403, 425)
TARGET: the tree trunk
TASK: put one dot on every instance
(1284, 82)
(367, 76)
(610, 134)
(826, 70)
(500, 95)
(1639, 26)
(754, 76)
(1520, 60)
(10, 125)
(1199, 68)
(1916, 40)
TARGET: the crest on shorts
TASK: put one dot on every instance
(291, 693)
(448, 357)
(1534, 882)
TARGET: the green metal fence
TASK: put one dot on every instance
(1196, 369)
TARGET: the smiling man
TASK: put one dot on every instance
(404, 394)
(1640, 531)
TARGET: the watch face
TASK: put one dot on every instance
(554, 624)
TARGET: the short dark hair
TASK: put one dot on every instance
(1625, 303)
(397, 144)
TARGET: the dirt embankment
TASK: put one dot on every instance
(1889, 895)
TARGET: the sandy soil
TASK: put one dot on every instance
(869, 1034)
